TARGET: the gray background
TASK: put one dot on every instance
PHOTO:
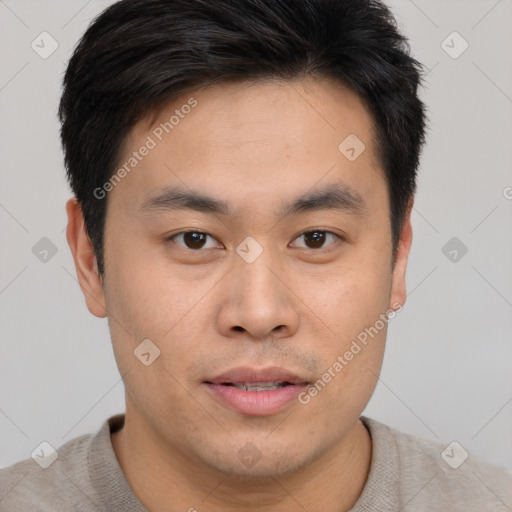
(446, 371)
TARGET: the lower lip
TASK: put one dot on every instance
(256, 403)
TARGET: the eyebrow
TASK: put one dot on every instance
(331, 197)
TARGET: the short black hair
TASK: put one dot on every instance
(138, 55)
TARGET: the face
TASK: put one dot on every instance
(255, 254)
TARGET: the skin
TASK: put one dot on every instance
(254, 146)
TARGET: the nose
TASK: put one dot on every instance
(257, 301)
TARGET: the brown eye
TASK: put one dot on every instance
(192, 239)
(316, 239)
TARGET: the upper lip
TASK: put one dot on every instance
(246, 374)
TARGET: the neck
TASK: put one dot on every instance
(160, 476)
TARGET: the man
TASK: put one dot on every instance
(244, 174)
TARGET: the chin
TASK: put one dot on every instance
(255, 465)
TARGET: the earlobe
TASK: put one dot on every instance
(398, 287)
(86, 264)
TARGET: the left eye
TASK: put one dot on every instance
(316, 239)
(193, 240)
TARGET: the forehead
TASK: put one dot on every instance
(260, 139)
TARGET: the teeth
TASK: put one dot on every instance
(260, 386)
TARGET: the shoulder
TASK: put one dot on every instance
(432, 475)
(46, 483)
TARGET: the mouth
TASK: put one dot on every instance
(258, 386)
(256, 392)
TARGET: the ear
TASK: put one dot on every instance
(398, 289)
(85, 260)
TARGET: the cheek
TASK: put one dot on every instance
(352, 302)
(143, 291)
(144, 302)
(147, 298)
(352, 296)
(353, 350)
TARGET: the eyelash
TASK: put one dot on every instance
(321, 230)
